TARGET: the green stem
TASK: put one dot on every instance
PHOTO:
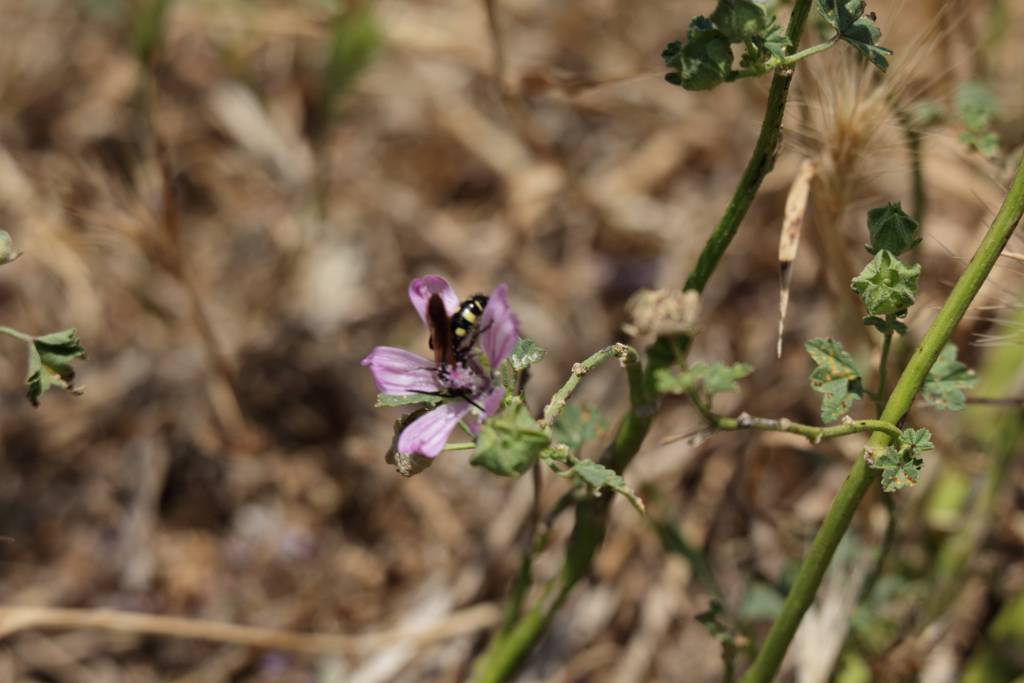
(507, 649)
(861, 477)
(883, 367)
(761, 162)
(814, 434)
(11, 332)
(785, 62)
(627, 355)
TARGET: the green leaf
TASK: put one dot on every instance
(987, 144)
(715, 378)
(886, 325)
(7, 251)
(526, 353)
(398, 400)
(510, 442)
(947, 380)
(887, 286)
(741, 20)
(891, 229)
(976, 105)
(897, 473)
(49, 363)
(704, 62)
(847, 17)
(575, 426)
(901, 462)
(597, 477)
(836, 376)
(916, 440)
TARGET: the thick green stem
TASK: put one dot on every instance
(508, 648)
(800, 597)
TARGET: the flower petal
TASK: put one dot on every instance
(491, 403)
(499, 327)
(421, 289)
(427, 434)
(396, 371)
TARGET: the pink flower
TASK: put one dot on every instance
(472, 390)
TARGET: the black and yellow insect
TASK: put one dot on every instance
(465, 322)
(452, 338)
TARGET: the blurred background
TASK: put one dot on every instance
(228, 199)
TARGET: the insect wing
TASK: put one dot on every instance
(440, 331)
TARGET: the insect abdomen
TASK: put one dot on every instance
(467, 317)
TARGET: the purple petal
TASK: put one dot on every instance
(421, 289)
(499, 327)
(428, 434)
(491, 403)
(396, 371)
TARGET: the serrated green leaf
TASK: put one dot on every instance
(712, 379)
(510, 442)
(916, 440)
(398, 400)
(897, 473)
(847, 17)
(704, 61)
(836, 376)
(887, 286)
(901, 462)
(575, 426)
(741, 20)
(526, 353)
(891, 229)
(947, 380)
(596, 476)
(49, 363)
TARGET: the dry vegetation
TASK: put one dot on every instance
(225, 462)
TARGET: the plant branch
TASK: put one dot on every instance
(508, 648)
(814, 434)
(627, 355)
(861, 477)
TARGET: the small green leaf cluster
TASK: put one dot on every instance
(977, 108)
(705, 379)
(510, 442)
(946, 381)
(49, 356)
(886, 286)
(49, 363)
(595, 477)
(857, 27)
(901, 462)
(836, 376)
(705, 60)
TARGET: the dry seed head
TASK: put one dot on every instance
(662, 312)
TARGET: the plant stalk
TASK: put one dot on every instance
(508, 648)
(800, 597)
